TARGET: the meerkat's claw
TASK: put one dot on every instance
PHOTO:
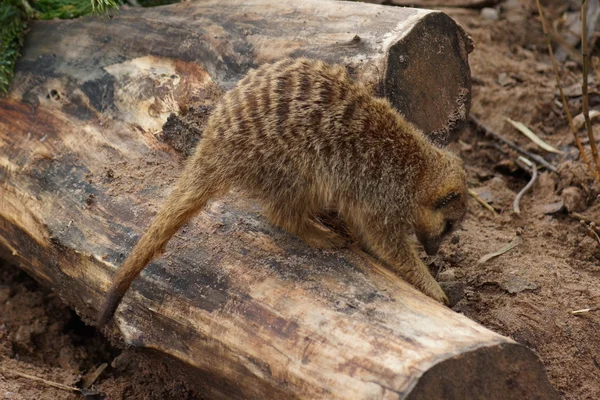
(436, 293)
(445, 300)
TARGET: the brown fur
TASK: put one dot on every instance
(302, 137)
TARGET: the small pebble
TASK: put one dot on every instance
(23, 336)
(573, 199)
(447, 275)
(4, 293)
(489, 14)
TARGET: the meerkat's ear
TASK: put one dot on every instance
(445, 200)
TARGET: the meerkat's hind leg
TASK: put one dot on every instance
(302, 223)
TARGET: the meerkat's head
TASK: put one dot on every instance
(443, 201)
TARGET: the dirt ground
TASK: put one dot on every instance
(527, 293)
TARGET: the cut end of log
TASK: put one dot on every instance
(505, 371)
(412, 72)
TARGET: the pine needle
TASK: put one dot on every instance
(104, 6)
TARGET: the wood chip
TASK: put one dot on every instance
(579, 120)
(550, 208)
(88, 380)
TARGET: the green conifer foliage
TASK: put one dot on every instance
(15, 14)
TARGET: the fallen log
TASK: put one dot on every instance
(476, 4)
(238, 308)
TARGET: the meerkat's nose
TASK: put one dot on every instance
(432, 246)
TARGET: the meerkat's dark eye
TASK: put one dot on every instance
(444, 201)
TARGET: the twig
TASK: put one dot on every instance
(482, 201)
(534, 173)
(517, 241)
(516, 147)
(584, 157)
(591, 230)
(44, 381)
(584, 85)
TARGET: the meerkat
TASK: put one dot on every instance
(301, 137)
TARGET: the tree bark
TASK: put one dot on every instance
(239, 308)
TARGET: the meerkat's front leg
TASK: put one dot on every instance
(402, 258)
(410, 266)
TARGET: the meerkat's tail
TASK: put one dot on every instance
(192, 191)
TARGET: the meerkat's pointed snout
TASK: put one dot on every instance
(432, 246)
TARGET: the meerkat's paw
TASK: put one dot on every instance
(435, 292)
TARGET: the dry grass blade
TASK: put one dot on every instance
(521, 127)
(481, 201)
(584, 85)
(41, 380)
(533, 171)
(517, 241)
(540, 160)
(584, 157)
(585, 310)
